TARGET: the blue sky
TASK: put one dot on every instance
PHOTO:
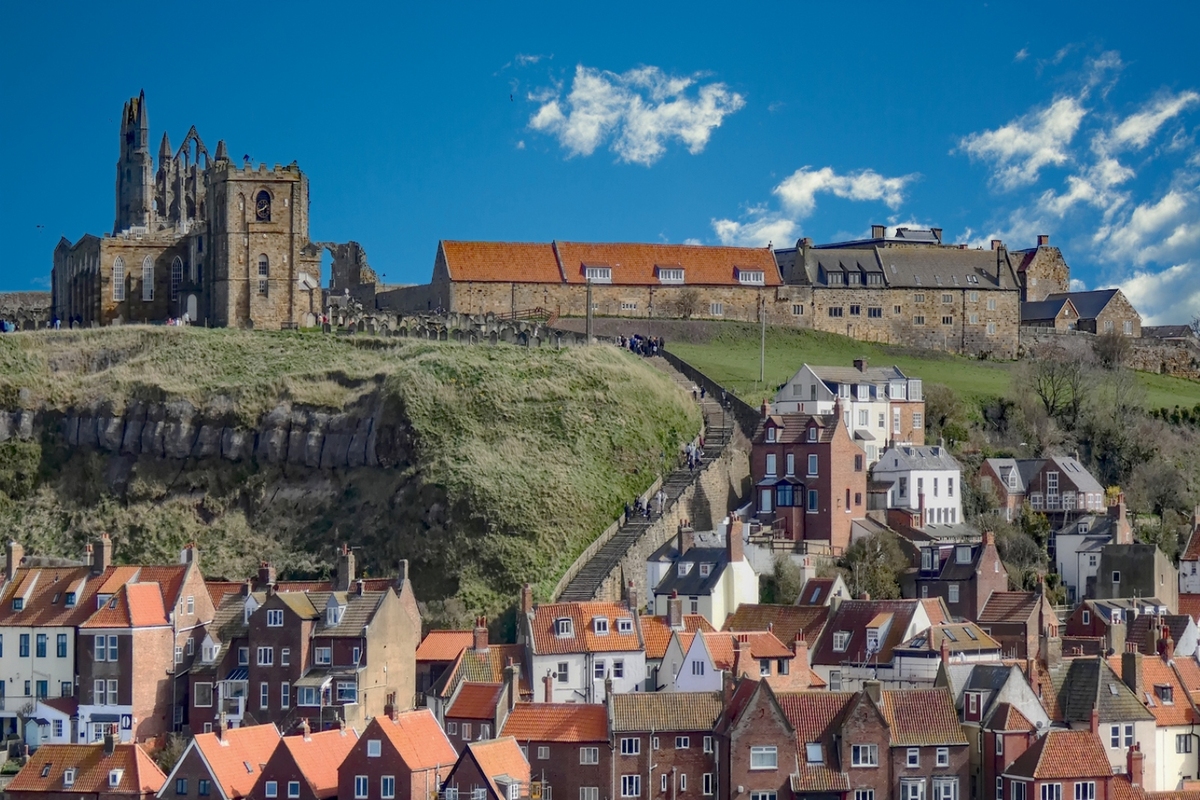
(638, 122)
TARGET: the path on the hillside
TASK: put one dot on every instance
(718, 430)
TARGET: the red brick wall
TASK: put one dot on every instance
(760, 724)
(564, 772)
(410, 785)
(864, 726)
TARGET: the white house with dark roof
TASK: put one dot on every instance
(871, 400)
(708, 571)
(925, 479)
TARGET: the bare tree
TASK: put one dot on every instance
(1061, 382)
(1112, 349)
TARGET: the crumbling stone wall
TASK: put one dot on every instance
(1180, 359)
(27, 310)
(349, 268)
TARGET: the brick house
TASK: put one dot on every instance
(224, 764)
(1058, 487)
(668, 738)
(305, 766)
(1189, 559)
(756, 744)
(810, 479)
(437, 653)
(1018, 621)
(1062, 763)
(484, 664)
(1000, 715)
(566, 745)
(107, 769)
(859, 637)
(492, 770)
(1110, 619)
(964, 576)
(816, 718)
(474, 713)
(582, 645)
(402, 755)
(880, 406)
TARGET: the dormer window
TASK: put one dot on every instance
(841, 640)
(751, 277)
(597, 274)
(812, 433)
(1165, 693)
(563, 627)
(18, 604)
(68, 777)
(624, 625)
(770, 434)
(333, 614)
(670, 275)
(962, 554)
(69, 602)
(683, 568)
(872, 640)
(600, 626)
(1083, 528)
(114, 777)
(705, 570)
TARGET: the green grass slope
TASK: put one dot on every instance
(731, 357)
(518, 458)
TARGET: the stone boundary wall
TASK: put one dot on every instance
(747, 417)
(27, 310)
(463, 328)
(1179, 359)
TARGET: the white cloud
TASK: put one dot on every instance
(1136, 130)
(798, 197)
(1021, 54)
(1169, 296)
(1095, 186)
(638, 112)
(521, 144)
(525, 59)
(1019, 150)
(1156, 232)
(1077, 285)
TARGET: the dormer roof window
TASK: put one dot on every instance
(564, 627)
(962, 554)
(333, 614)
(597, 273)
(114, 777)
(69, 602)
(68, 777)
(672, 274)
(812, 433)
(683, 568)
(751, 277)
(18, 604)
(813, 753)
(600, 626)
(705, 570)
(624, 625)
(770, 433)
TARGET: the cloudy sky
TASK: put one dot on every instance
(638, 122)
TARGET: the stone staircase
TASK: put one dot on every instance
(718, 431)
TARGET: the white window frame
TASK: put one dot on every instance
(631, 745)
(764, 757)
(589, 755)
(864, 755)
(631, 786)
(274, 617)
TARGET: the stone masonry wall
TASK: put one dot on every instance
(1148, 355)
(26, 310)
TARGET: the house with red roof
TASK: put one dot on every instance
(787, 622)
(700, 660)
(439, 650)
(576, 648)
(859, 638)
(223, 764)
(1066, 764)
(491, 770)
(481, 662)
(106, 769)
(657, 632)
(304, 766)
(400, 755)
(475, 712)
(566, 745)
(1189, 562)
(1157, 683)
(756, 743)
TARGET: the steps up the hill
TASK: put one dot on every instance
(718, 431)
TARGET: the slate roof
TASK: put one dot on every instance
(444, 645)
(501, 261)
(1138, 630)
(1042, 310)
(417, 737)
(635, 264)
(853, 616)
(140, 775)
(319, 755)
(236, 757)
(558, 722)
(815, 717)
(879, 376)
(665, 711)
(657, 633)
(584, 639)
(1063, 754)
(499, 758)
(694, 584)
(912, 457)
(960, 637)
(921, 717)
(783, 621)
(1156, 673)
(1028, 468)
(1004, 607)
(1088, 304)
(1168, 332)
(928, 268)
(475, 701)
(1081, 684)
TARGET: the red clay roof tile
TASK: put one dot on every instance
(475, 701)
(444, 645)
(417, 737)
(319, 755)
(1063, 754)
(557, 722)
(921, 717)
(139, 773)
(237, 756)
(582, 637)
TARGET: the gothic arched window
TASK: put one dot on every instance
(262, 206)
(176, 277)
(118, 279)
(147, 279)
(264, 273)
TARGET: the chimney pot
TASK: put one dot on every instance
(878, 231)
(480, 635)
(997, 244)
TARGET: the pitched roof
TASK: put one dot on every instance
(722, 646)
(793, 428)
(499, 758)
(665, 711)
(637, 264)
(444, 645)
(319, 755)
(1138, 630)
(557, 722)
(657, 632)
(1081, 684)
(815, 717)
(1088, 304)
(783, 621)
(913, 457)
(583, 637)
(816, 590)
(44, 591)
(135, 605)
(853, 617)
(1009, 607)
(1063, 754)
(525, 262)
(483, 666)
(960, 637)
(1192, 551)
(236, 757)
(1168, 332)
(1157, 673)
(139, 774)
(693, 582)
(1042, 310)
(921, 716)
(1024, 470)
(475, 701)
(929, 268)
(1007, 717)
(417, 737)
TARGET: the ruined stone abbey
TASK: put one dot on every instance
(198, 236)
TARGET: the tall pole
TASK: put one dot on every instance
(762, 344)
(589, 311)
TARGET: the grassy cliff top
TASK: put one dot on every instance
(536, 450)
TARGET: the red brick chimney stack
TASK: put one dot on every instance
(800, 651)
(548, 688)
(480, 635)
(675, 611)
(1043, 239)
(527, 599)
(741, 657)
(921, 509)
(945, 650)
(1135, 764)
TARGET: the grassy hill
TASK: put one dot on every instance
(519, 457)
(730, 355)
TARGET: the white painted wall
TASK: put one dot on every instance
(582, 685)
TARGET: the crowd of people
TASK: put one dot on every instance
(642, 345)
